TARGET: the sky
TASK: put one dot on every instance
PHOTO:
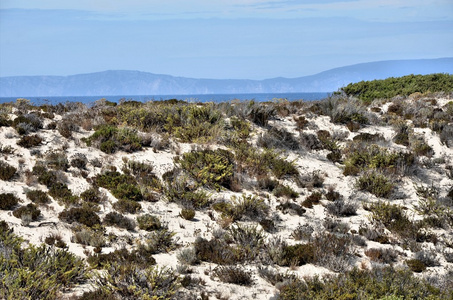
(219, 39)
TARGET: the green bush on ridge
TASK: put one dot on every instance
(403, 86)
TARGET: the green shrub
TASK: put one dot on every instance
(403, 86)
(6, 171)
(79, 161)
(280, 168)
(360, 157)
(122, 257)
(393, 217)
(179, 190)
(122, 186)
(27, 123)
(260, 113)
(298, 254)
(285, 191)
(248, 207)
(332, 251)
(91, 195)
(8, 201)
(149, 222)
(37, 272)
(376, 184)
(29, 209)
(61, 192)
(30, 141)
(144, 174)
(378, 283)
(57, 161)
(278, 139)
(233, 274)
(127, 206)
(110, 139)
(290, 207)
(249, 241)
(416, 265)
(116, 219)
(187, 213)
(382, 255)
(212, 168)
(38, 197)
(88, 236)
(215, 251)
(7, 149)
(81, 215)
(161, 240)
(311, 200)
(131, 281)
(188, 256)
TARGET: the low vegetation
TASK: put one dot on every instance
(243, 196)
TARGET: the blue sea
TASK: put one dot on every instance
(189, 98)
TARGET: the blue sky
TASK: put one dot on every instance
(254, 39)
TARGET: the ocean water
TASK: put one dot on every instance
(189, 98)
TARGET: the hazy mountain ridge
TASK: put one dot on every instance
(119, 82)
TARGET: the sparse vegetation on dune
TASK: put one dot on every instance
(177, 200)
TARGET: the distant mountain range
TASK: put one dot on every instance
(120, 82)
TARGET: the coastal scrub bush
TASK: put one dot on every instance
(187, 213)
(279, 139)
(121, 256)
(29, 209)
(342, 208)
(332, 251)
(110, 139)
(37, 272)
(393, 217)
(92, 195)
(285, 191)
(127, 206)
(88, 236)
(8, 201)
(248, 239)
(81, 215)
(382, 255)
(212, 168)
(133, 281)
(248, 207)
(302, 232)
(361, 157)
(30, 141)
(376, 184)
(215, 251)
(310, 141)
(38, 197)
(161, 240)
(182, 190)
(311, 200)
(403, 86)
(188, 256)
(260, 113)
(6, 171)
(116, 219)
(57, 161)
(291, 208)
(122, 186)
(79, 161)
(416, 265)
(234, 274)
(144, 174)
(27, 123)
(149, 222)
(377, 283)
